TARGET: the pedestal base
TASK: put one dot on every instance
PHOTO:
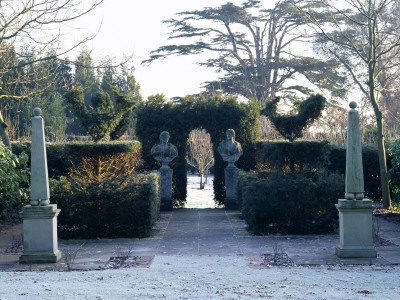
(40, 257)
(40, 234)
(231, 176)
(166, 205)
(355, 224)
(231, 204)
(166, 188)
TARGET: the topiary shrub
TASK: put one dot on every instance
(107, 209)
(104, 116)
(291, 126)
(290, 203)
(14, 179)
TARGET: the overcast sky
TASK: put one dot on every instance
(127, 27)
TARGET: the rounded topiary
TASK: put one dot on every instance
(291, 126)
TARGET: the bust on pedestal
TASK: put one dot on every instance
(230, 150)
(40, 217)
(355, 212)
(165, 152)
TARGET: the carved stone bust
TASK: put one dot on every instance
(164, 152)
(230, 150)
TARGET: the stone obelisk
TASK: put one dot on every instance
(355, 212)
(40, 217)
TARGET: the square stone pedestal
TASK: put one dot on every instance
(166, 188)
(231, 204)
(231, 178)
(40, 234)
(355, 224)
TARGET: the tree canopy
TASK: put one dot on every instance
(253, 47)
(366, 42)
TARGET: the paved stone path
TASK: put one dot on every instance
(208, 232)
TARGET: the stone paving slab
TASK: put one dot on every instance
(208, 232)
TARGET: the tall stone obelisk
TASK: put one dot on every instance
(355, 212)
(40, 217)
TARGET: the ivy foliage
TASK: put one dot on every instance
(104, 117)
(291, 126)
(215, 114)
(13, 177)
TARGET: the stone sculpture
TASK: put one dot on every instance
(40, 193)
(40, 217)
(229, 149)
(165, 152)
(355, 212)
(354, 188)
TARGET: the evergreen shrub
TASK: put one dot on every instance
(295, 156)
(291, 126)
(107, 209)
(62, 156)
(308, 155)
(14, 179)
(372, 180)
(394, 171)
(290, 203)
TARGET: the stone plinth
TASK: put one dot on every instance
(355, 221)
(231, 177)
(40, 234)
(166, 188)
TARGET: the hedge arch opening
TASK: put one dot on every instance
(215, 114)
(200, 165)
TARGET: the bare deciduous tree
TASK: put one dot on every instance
(364, 36)
(30, 32)
(200, 154)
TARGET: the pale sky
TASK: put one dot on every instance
(127, 27)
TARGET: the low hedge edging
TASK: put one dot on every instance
(106, 209)
(290, 203)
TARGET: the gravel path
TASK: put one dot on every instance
(180, 277)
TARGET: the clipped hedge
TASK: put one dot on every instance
(106, 209)
(216, 115)
(308, 155)
(295, 156)
(372, 180)
(61, 156)
(290, 203)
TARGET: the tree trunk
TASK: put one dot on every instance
(387, 204)
(382, 165)
(4, 133)
(201, 181)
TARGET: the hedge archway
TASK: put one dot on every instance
(215, 114)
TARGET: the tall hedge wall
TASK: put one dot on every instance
(61, 156)
(216, 115)
(306, 155)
